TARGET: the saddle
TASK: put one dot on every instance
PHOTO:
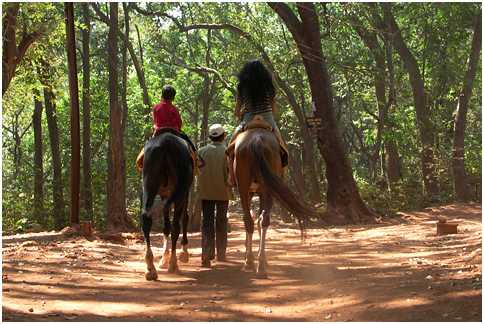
(259, 122)
(193, 154)
(163, 130)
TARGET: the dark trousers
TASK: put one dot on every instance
(214, 235)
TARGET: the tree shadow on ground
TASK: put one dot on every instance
(358, 273)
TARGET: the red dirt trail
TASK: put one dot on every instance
(398, 270)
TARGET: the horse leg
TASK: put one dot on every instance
(146, 222)
(175, 232)
(263, 224)
(249, 229)
(166, 236)
(184, 255)
(259, 215)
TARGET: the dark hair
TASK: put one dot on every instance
(219, 138)
(255, 83)
(168, 92)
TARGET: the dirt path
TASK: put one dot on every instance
(397, 271)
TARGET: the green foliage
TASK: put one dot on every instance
(438, 34)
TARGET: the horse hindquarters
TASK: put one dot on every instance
(182, 168)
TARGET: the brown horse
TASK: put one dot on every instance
(258, 169)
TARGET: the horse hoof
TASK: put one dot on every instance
(151, 275)
(249, 266)
(183, 257)
(165, 261)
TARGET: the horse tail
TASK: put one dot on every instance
(278, 188)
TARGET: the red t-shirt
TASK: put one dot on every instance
(166, 115)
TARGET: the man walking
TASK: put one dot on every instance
(215, 193)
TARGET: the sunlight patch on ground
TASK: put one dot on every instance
(379, 266)
(461, 294)
(80, 308)
(343, 274)
(406, 302)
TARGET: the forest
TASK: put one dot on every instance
(397, 87)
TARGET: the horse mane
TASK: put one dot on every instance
(255, 87)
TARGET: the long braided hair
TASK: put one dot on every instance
(255, 89)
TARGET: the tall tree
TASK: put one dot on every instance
(74, 103)
(124, 69)
(392, 157)
(124, 84)
(382, 55)
(117, 218)
(86, 113)
(50, 111)
(370, 39)
(17, 135)
(13, 53)
(460, 176)
(422, 108)
(343, 198)
(137, 66)
(38, 161)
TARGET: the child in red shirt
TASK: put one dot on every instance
(166, 115)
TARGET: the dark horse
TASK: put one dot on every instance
(167, 171)
(258, 165)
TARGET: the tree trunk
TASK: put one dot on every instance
(86, 114)
(124, 86)
(310, 167)
(424, 123)
(392, 159)
(296, 172)
(370, 39)
(39, 214)
(193, 198)
(9, 44)
(17, 150)
(195, 220)
(460, 177)
(74, 100)
(58, 196)
(205, 109)
(141, 73)
(117, 219)
(138, 68)
(207, 93)
(344, 202)
(309, 153)
(12, 53)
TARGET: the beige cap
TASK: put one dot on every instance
(216, 130)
